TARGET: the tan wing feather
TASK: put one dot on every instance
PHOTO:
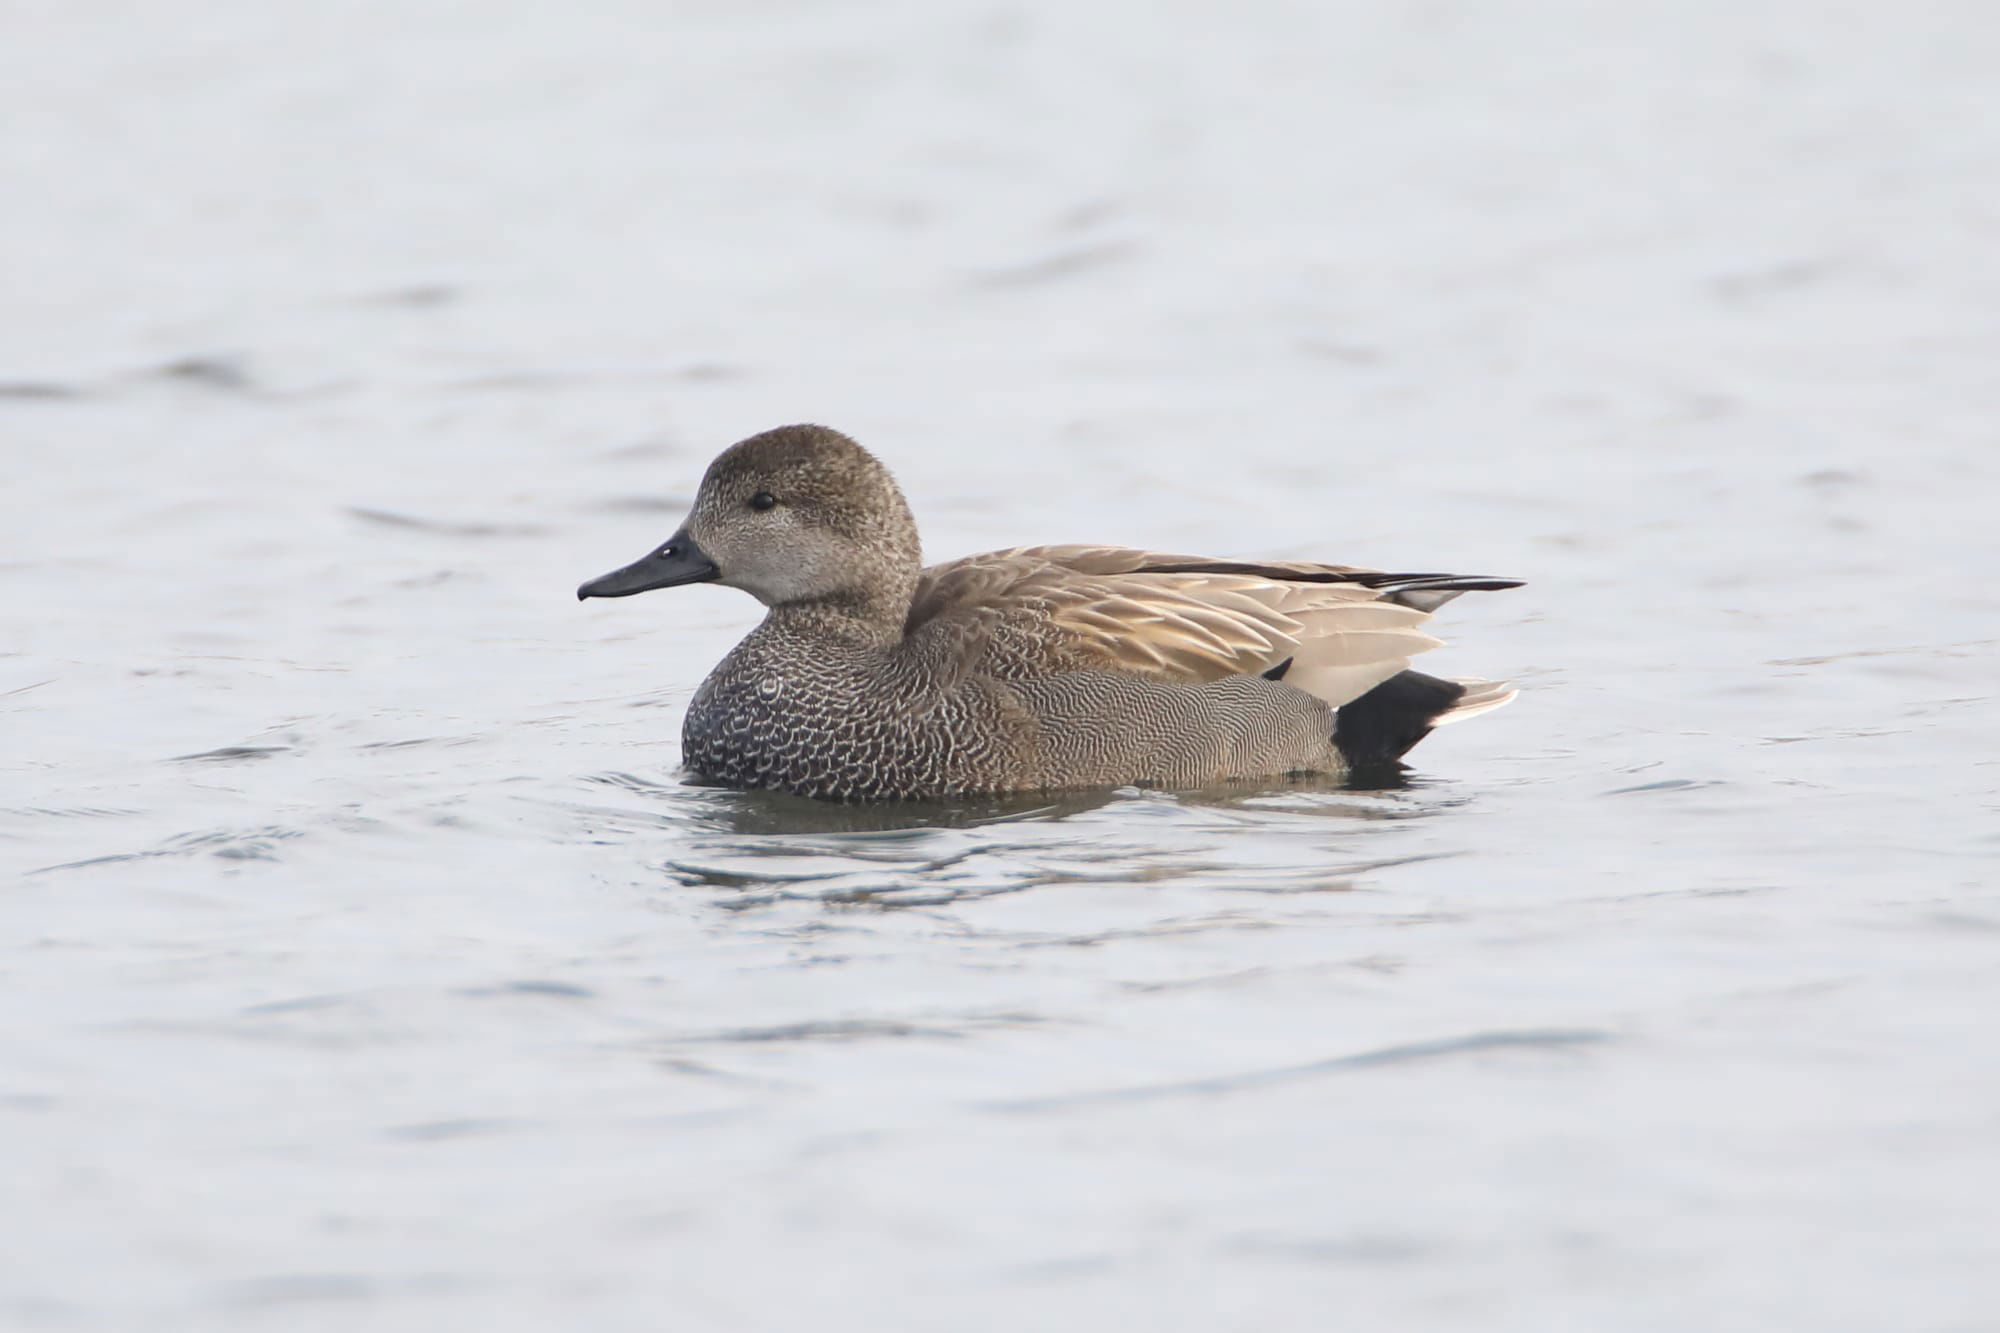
(1130, 560)
(1115, 608)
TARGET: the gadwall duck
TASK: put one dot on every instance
(1037, 668)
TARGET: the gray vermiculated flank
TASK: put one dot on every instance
(781, 712)
(845, 692)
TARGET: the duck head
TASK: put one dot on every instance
(797, 515)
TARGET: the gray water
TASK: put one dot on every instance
(365, 965)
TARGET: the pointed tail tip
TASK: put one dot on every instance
(1382, 725)
(1481, 696)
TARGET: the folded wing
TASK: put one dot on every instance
(1332, 630)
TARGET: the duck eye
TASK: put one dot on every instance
(763, 500)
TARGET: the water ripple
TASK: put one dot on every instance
(755, 849)
(251, 844)
(1406, 1053)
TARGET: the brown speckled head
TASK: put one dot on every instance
(802, 514)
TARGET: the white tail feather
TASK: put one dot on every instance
(1481, 696)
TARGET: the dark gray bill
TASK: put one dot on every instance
(679, 561)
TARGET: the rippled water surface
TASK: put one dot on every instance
(366, 965)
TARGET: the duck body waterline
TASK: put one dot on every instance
(1039, 668)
